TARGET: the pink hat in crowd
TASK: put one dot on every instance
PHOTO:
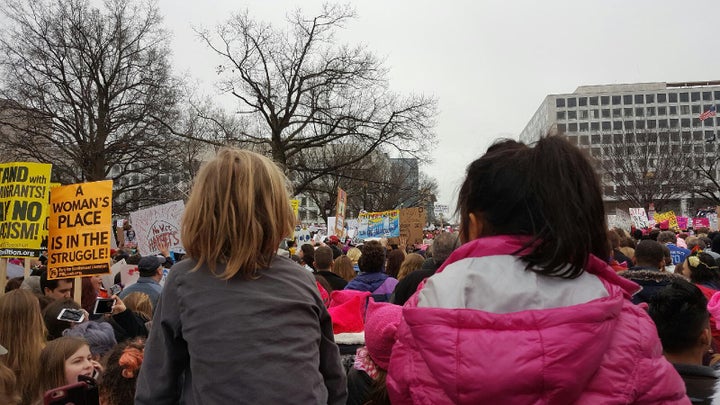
(381, 325)
(713, 307)
(347, 310)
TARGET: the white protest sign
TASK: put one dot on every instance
(129, 274)
(441, 209)
(639, 218)
(623, 219)
(156, 225)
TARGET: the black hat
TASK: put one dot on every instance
(148, 264)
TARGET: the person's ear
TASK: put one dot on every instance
(476, 225)
(706, 337)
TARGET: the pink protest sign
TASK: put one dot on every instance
(682, 222)
(701, 223)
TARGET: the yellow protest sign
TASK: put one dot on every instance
(80, 226)
(23, 207)
(295, 204)
(667, 216)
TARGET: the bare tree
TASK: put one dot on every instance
(706, 182)
(301, 91)
(646, 167)
(99, 82)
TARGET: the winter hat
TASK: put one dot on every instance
(339, 297)
(346, 312)
(381, 324)
(713, 307)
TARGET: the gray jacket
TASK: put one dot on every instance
(263, 341)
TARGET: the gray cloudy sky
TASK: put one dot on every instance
(490, 63)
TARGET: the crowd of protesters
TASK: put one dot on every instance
(532, 301)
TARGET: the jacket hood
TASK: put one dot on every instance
(367, 282)
(555, 352)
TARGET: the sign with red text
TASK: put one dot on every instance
(157, 226)
(80, 226)
(341, 203)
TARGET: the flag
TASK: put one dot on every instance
(707, 114)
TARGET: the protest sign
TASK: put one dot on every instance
(624, 221)
(156, 226)
(713, 220)
(379, 224)
(667, 216)
(340, 213)
(639, 218)
(302, 236)
(295, 204)
(441, 209)
(412, 221)
(683, 222)
(701, 223)
(24, 190)
(612, 221)
(80, 226)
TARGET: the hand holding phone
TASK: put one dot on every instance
(71, 315)
(104, 305)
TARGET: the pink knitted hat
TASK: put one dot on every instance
(381, 324)
(713, 307)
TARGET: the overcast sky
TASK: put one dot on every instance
(489, 63)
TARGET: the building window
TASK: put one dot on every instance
(617, 112)
(303, 201)
(616, 100)
(572, 127)
(571, 102)
(672, 97)
(606, 125)
(684, 98)
(649, 98)
(698, 136)
(583, 114)
(684, 109)
(627, 99)
(594, 126)
(675, 137)
(707, 95)
(595, 114)
(559, 102)
(606, 113)
(582, 101)
(695, 96)
(605, 100)
(595, 139)
(572, 115)
(673, 110)
(685, 123)
(664, 137)
(628, 112)
(630, 138)
(629, 125)
(709, 123)
(562, 128)
(618, 138)
(639, 112)
(696, 123)
(696, 109)
(717, 95)
(584, 140)
(686, 148)
(650, 111)
(560, 114)
(594, 100)
(662, 124)
(661, 97)
(717, 121)
(662, 110)
(617, 125)
(639, 99)
(640, 124)
(583, 127)
(606, 139)
(651, 124)
(674, 123)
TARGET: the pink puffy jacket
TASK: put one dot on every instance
(605, 351)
